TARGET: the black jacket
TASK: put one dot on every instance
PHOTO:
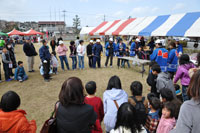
(89, 49)
(29, 49)
(75, 118)
(151, 81)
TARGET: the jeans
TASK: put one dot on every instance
(23, 78)
(107, 59)
(184, 93)
(124, 63)
(46, 67)
(62, 60)
(98, 60)
(6, 71)
(81, 62)
(74, 62)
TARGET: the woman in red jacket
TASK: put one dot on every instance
(11, 119)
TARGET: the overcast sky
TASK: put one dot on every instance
(91, 12)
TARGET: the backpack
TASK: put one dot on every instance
(140, 110)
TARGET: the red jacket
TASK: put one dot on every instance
(16, 122)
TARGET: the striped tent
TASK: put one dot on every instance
(187, 24)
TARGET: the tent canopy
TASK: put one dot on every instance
(15, 32)
(86, 30)
(186, 24)
(3, 34)
(32, 32)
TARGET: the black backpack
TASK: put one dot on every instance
(140, 110)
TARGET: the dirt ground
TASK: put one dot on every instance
(38, 97)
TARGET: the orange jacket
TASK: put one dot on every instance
(16, 122)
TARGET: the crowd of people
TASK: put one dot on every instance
(77, 112)
(80, 113)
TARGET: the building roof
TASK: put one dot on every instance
(52, 22)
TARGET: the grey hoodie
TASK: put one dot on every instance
(110, 109)
(164, 81)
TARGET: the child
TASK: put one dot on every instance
(152, 79)
(97, 104)
(127, 121)
(7, 63)
(183, 74)
(54, 62)
(178, 92)
(124, 61)
(20, 73)
(141, 53)
(138, 101)
(153, 117)
(167, 122)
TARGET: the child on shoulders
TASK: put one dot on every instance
(97, 104)
(20, 73)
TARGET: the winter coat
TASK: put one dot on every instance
(183, 75)
(75, 118)
(172, 61)
(44, 53)
(97, 49)
(160, 55)
(122, 47)
(189, 118)
(110, 109)
(72, 50)
(89, 49)
(151, 81)
(164, 82)
(16, 122)
(134, 48)
(19, 71)
(166, 125)
(180, 49)
(111, 50)
(29, 49)
(62, 50)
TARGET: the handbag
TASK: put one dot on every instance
(50, 125)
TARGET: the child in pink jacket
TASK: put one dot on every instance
(167, 122)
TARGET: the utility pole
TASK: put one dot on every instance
(64, 14)
(104, 18)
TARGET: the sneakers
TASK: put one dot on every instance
(20, 80)
(110, 66)
(31, 71)
(46, 80)
(8, 80)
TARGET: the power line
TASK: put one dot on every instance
(64, 14)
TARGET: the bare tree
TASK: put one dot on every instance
(76, 24)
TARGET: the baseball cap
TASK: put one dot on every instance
(98, 40)
(111, 39)
(158, 41)
(91, 41)
(177, 40)
(61, 42)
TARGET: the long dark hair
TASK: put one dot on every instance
(127, 117)
(72, 92)
(114, 82)
(194, 86)
(184, 59)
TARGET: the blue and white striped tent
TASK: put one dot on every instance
(187, 24)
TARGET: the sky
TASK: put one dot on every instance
(91, 12)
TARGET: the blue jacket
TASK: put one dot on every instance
(19, 71)
(172, 60)
(97, 49)
(133, 48)
(44, 53)
(123, 46)
(160, 55)
(111, 50)
(180, 48)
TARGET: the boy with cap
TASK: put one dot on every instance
(96, 52)
(160, 55)
(110, 49)
(89, 53)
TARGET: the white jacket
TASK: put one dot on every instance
(81, 50)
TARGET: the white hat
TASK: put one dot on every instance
(177, 40)
(91, 41)
(111, 39)
(98, 40)
(158, 41)
(61, 42)
(138, 40)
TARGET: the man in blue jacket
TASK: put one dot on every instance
(160, 55)
(45, 57)
(134, 47)
(172, 60)
(179, 48)
(121, 47)
(96, 52)
(110, 49)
